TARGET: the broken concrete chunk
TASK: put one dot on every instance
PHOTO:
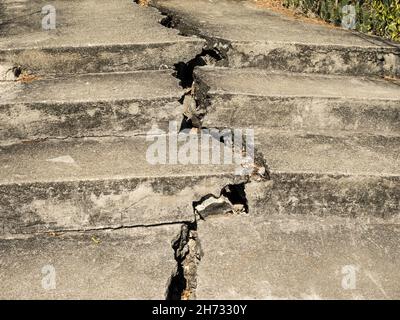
(214, 206)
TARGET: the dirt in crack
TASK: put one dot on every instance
(188, 253)
(173, 21)
(213, 54)
(194, 99)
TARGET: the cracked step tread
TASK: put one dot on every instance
(138, 85)
(247, 36)
(298, 257)
(258, 82)
(107, 104)
(289, 101)
(91, 36)
(332, 173)
(83, 23)
(242, 21)
(331, 152)
(92, 159)
(120, 264)
(95, 183)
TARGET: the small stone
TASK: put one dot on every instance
(238, 208)
(261, 171)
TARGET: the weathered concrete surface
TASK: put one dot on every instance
(89, 105)
(348, 195)
(330, 152)
(278, 257)
(332, 173)
(85, 184)
(122, 264)
(95, 183)
(90, 36)
(253, 37)
(258, 98)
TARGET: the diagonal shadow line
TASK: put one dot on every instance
(374, 40)
(18, 17)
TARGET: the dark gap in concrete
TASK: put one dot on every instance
(177, 285)
(236, 194)
(12, 74)
(193, 101)
(172, 21)
(184, 70)
(188, 28)
(231, 200)
(17, 70)
(186, 124)
(187, 252)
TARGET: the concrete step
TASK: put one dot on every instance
(332, 173)
(121, 264)
(248, 36)
(84, 184)
(89, 105)
(90, 36)
(258, 98)
(298, 258)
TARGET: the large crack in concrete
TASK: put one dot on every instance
(187, 246)
(233, 198)
(187, 28)
(187, 252)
